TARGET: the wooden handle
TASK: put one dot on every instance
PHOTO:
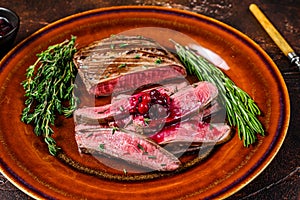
(271, 30)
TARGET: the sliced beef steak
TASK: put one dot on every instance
(120, 106)
(129, 146)
(191, 100)
(122, 63)
(193, 131)
(185, 102)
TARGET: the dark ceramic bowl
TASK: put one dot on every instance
(7, 40)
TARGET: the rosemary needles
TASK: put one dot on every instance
(241, 109)
(49, 88)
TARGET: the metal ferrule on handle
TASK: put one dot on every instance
(294, 58)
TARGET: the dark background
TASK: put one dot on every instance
(280, 180)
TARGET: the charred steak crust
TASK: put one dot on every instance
(126, 61)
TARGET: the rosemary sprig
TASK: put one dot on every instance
(241, 110)
(49, 88)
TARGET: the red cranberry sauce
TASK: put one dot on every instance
(151, 104)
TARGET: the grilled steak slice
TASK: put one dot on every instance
(122, 63)
(185, 102)
(133, 123)
(128, 146)
(119, 106)
(149, 127)
(193, 131)
(191, 100)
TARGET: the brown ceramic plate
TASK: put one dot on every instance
(24, 157)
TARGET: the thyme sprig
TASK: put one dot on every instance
(49, 88)
(241, 110)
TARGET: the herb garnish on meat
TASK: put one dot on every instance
(241, 109)
(49, 88)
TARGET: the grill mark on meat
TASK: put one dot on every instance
(130, 147)
(131, 59)
(102, 63)
(130, 54)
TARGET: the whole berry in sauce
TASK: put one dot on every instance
(153, 104)
(143, 107)
(154, 94)
(146, 97)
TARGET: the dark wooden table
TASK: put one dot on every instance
(280, 180)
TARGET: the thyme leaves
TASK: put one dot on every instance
(49, 88)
